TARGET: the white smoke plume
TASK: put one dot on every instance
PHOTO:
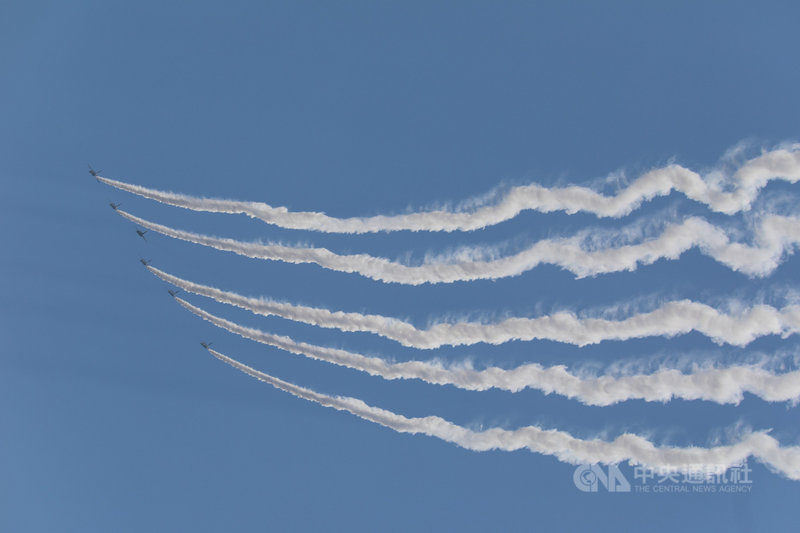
(671, 319)
(774, 236)
(710, 189)
(720, 385)
(565, 447)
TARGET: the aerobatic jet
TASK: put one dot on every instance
(94, 173)
(141, 233)
(206, 345)
(145, 262)
(114, 206)
(173, 293)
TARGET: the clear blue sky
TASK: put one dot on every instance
(113, 418)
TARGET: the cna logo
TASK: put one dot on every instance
(588, 478)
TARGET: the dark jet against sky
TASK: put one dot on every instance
(141, 233)
(114, 206)
(94, 172)
(145, 262)
(173, 293)
(206, 345)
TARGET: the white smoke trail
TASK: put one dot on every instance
(720, 385)
(747, 181)
(671, 319)
(775, 235)
(627, 447)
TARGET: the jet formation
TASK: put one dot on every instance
(145, 262)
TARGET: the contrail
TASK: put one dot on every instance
(774, 236)
(746, 182)
(720, 385)
(671, 319)
(627, 447)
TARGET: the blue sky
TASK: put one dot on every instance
(114, 418)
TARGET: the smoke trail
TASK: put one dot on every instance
(672, 318)
(747, 181)
(627, 447)
(775, 235)
(726, 385)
